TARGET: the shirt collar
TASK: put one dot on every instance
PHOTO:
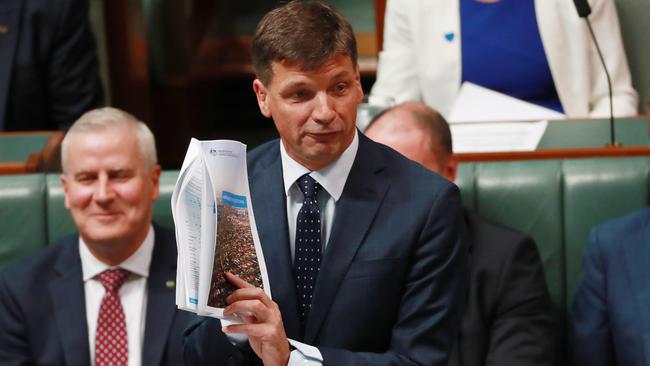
(332, 177)
(137, 263)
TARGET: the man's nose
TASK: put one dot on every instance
(323, 111)
(104, 191)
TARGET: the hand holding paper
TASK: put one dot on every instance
(262, 322)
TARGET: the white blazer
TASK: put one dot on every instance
(421, 60)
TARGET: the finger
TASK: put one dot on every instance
(252, 330)
(248, 308)
(238, 282)
(250, 293)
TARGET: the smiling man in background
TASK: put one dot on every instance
(102, 296)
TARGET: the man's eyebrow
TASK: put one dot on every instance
(342, 74)
(84, 172)
(293, 85)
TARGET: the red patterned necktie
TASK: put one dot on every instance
(111, 342)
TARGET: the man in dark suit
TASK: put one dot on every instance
(508, 319)
(49, 73)
(106, 295)
(611, 308)
(362, 246)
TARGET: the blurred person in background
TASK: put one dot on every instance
(508, 318)
(611, 308)
(49, 72)
(538, 51)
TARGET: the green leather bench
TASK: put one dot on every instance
(557, 202)
(554, 201)
(23, 227)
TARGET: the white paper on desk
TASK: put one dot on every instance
(475, 103)
(493, 137)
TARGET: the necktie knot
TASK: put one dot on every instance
(112, 279)
(309, 187)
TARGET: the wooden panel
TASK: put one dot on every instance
(556, 154)
(45, 160)
(380, 9)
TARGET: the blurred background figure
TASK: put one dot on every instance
(49, 71)
(105, 295)
(611, 305)
(536, 51)
(508, 319)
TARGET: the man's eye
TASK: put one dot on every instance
(121, 176)
(84, 179)
(300, 94)
(341, 88)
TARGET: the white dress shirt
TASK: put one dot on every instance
(332, 178)
(133, 294)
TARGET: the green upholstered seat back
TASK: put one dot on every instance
(22, 216)
(60, 222)
(596, 190)
(162, 208)
(526, 196)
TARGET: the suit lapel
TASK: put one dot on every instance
(9, 22)
(270, 209)
(67, 293)
(363, 194)
(161, 304)
(637, 251)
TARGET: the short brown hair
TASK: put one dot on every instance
(307, 33)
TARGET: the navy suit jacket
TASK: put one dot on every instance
(43, 316)
(611, 309)
(49, 72)
(508, 319)
(394, 275)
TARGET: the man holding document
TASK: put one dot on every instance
(104, 296)
(362, 246)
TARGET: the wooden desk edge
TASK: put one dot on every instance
(544, 154)
(36, 161)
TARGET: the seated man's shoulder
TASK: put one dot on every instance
(495, 247)
(633, 225)
(494, 236)
(606, 238)
(35, 270)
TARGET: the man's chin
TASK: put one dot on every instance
(103, 236)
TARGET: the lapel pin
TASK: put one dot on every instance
(170, 283)
(3, 29)
(449, 36)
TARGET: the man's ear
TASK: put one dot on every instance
(357, 84)
(155, 181)
(64, 184)
(262, 97)
(452, 168)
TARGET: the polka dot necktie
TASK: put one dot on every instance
(111, 342)
(308, 245)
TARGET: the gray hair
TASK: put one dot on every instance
(103, 118)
